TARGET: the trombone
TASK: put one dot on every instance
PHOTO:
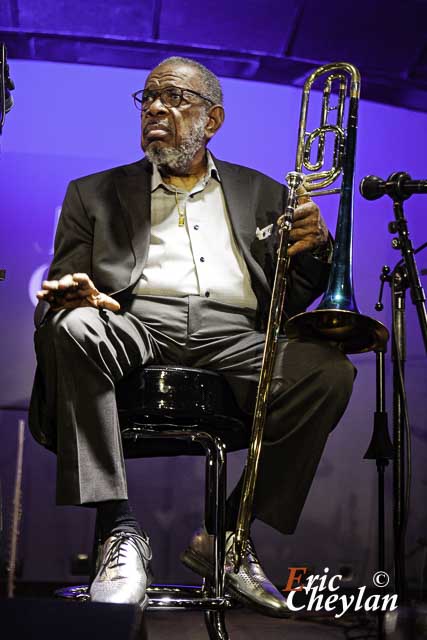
(337, 318)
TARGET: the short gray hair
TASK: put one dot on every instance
(211, 85)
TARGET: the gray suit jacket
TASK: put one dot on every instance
(104, 230)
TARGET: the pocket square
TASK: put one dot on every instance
(264, 233)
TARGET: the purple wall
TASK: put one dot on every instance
(72, 120)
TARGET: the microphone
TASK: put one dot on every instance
(399, 186)
(6, 83)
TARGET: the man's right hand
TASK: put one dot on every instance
(75, 290)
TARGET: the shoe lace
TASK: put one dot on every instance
(117, 549)
(252, 557)
(249, 551)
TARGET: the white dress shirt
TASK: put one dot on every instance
(200, 258)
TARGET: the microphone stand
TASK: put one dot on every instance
(381, 450)
(404, 276)
(404, 243)
(401, 486)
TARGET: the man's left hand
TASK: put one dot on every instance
(309, 231)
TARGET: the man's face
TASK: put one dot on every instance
(171, 128)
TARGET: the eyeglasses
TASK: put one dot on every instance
(170, 97)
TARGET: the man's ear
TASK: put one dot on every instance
(215, 119)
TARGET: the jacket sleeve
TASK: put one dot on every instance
(73, 239)
(73, 244)
(307, 280)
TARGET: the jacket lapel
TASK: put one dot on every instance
(238, 193)
(134, 193)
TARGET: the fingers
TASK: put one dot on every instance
(75, 290)
(42, 295)
(99, 301)
(303, 195)
(302, 240)
(302, 245)
(102, 301)
(309, 230)
(54, 296)
(69, 287)
(69, 281)
(85, 283)
(306, 210)
(304, 215)
(66, 282)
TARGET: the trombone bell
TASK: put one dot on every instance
(352, 331)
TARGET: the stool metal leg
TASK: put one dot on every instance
(215, 508)
(215, 524)
(215, 624)
(215, 488)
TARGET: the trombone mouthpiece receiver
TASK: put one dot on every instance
(294, 179)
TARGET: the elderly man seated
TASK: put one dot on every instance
(159, 261)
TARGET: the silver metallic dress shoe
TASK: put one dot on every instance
(124, 571)
(250, 585)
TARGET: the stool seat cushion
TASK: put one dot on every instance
(159, 397)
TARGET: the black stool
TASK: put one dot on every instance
(170, 410)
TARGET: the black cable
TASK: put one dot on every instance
(401, 532)
(402, 260)
(404, 400)
(402, 384)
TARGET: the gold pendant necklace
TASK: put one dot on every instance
(181, 214)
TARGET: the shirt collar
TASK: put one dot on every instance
(212, 171)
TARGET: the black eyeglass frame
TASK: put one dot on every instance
(138, 95)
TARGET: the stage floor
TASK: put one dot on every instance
(244, 624)
(37, 616)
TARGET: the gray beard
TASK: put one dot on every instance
(178, 158)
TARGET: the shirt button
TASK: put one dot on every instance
(207, 294)
(196, 227)
(202, 259)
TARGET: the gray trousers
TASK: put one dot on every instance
(83, 353)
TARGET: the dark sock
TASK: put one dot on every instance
(113, 516)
